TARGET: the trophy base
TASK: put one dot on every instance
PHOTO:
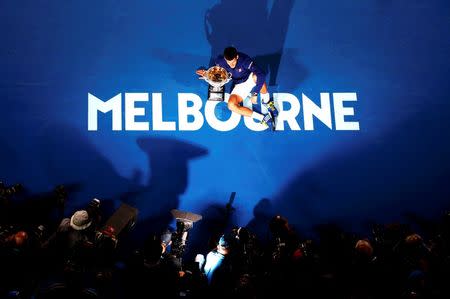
(216, 93)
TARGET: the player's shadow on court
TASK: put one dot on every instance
(259, 30)
(253, 27)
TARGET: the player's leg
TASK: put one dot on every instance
(266, 100)
(238, 94)
(242, 90)
(234, 104)
(269, 118)
(263, 92)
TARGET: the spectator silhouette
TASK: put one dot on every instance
(262, 213)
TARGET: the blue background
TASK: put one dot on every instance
(393, 54)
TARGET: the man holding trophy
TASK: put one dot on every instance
(248, 80)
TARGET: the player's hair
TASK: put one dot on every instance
(230, 53)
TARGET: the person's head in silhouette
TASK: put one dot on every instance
(279, 226)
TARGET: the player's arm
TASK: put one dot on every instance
(201, 71)
(260, 76)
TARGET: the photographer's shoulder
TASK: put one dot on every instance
(64, 225)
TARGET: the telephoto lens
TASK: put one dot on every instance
(93, 210)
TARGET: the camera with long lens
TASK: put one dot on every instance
(279, 228)
(179, 238)
(246, 245)
(279, 250)
(307, 248)
(94, 212)
(245, 240)
(184, 222)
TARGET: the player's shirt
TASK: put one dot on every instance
(244, 67)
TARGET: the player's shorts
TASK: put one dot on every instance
(243, 89)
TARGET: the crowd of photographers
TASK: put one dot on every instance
(81, 257)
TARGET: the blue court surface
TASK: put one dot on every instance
(394, 55)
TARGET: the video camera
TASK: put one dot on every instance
(185, 221)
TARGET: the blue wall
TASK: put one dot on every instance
(393, 54)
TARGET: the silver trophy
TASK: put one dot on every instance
(216, 77)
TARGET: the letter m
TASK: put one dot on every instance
(114, 104)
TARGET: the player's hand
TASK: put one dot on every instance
(254, 99)
(200, 72)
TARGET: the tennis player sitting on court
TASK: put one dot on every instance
(248, 80)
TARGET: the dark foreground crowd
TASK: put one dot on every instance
(81, 257)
